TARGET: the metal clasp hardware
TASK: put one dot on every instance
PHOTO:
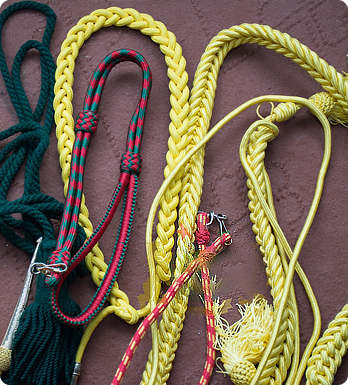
(220, 218)
(39, 267)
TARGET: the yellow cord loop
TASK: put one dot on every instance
(201, 105)
(177, 144)
(277, 357)
(279, 327)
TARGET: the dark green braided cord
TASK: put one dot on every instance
(44, 349)
(29, 147)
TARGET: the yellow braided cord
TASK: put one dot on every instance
(333, 104)
(203, 90)
(328, 353)
(177, 142)
(268, 247)
(184, 175)
(274, 348)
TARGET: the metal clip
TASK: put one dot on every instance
(47, 270)
(221, 219)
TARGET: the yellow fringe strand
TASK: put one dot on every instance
(242, 344)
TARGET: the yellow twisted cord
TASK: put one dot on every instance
(335, 105)
(328, 353)
(268, 246)
(334, 83)
(276, 367)
(268, 210)
(177, 144)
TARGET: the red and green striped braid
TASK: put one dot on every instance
(206, 254)
(61, 263)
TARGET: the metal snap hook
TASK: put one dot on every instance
(221, 220)
(47, 270)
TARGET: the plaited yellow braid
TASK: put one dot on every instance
(177, 144)
(272, 247)
(201, 104)
(275, 264)
(266, 131)
(327, 355)
(200, 117)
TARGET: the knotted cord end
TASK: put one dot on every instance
(5, 359)
(87, 121)
(59, 257)
(330, 107)
(131, 163)
(284, 111)
(243, 343)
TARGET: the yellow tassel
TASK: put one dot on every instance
(242, 344)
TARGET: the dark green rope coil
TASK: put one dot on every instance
(43, 351)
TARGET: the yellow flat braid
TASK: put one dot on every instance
(177, 142)
(335, 104)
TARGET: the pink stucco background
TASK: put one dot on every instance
(292, 162)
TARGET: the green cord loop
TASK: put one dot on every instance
(43, 349)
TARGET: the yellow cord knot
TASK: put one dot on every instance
(284, 111)
(242, 373)
(330, 107)
(5, 359)
(242, 344)
(324, 101)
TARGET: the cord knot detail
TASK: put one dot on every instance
(131, 163)
(87, 121)
(202, 236)
(243, 373)
(324, 101)
(284, 111)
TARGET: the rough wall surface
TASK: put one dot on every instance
(292, 161)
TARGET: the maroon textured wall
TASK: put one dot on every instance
(292, 161)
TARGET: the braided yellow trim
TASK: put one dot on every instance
(334, 104)
(328, 353)
(201, 104)
(177, 143)
(279, 328)
(272, 260)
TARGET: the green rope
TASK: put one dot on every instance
(43, 350)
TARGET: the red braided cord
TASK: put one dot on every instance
(203, 236)
(209, 315)
(103, 290)
(206, 255)
(152, 317)
(130, 168)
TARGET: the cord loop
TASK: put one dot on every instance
(126, 187)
